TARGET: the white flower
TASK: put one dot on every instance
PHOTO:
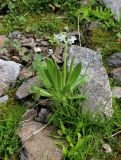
(71, 40)
(60, 37)
(63, 38)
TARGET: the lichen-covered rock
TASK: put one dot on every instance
(39, 146)
(115, 6)
(9, 72)
(97, 88)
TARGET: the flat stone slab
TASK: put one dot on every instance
(39, 146)
(97, 88)
(9, 72)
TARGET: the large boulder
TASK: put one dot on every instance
(115, 6)
(97, 88)
(9, 72)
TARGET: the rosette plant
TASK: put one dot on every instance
(59, 85)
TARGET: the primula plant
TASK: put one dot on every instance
(59, 84)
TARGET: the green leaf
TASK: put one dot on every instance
(57, 77)
(63, 128)
(75, 74)
(1, 27)
(38, 57)
(65, 150)
(41, 68)
(69, 140)
(64, 69)
(11, 5)
(40, 91)
(50, 65)
(78, 96)
(80, 81)
(66, 89)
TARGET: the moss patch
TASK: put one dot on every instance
(32, 23)
(104, 39)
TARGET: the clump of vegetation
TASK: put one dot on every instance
(10, 116)
(9, 141)
(84, 133)
(59, 84)
(106, 40)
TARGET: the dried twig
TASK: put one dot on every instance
(34, 107)
(36, 132)
(79, 31)
(116, 133)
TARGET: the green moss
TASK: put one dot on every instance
(106, 40)
(39, 24)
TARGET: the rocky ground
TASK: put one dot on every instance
(16, 72)
(18, 52)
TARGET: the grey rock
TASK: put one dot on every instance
(6, 58)
(44, 43)
(58, 50)
(40, 145)
(50, 51)
(38, 40)
(115, 6)
(29, 115)
(15, 35)
(97, 88)
(94, 25)
(114, 60)
(3, 99)
(25, 73)
(27, 42)
(23, 155)
(116, 75)
(44, 49)
(9, 72)
(42, 116)
(24, 90)
(116, 92)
